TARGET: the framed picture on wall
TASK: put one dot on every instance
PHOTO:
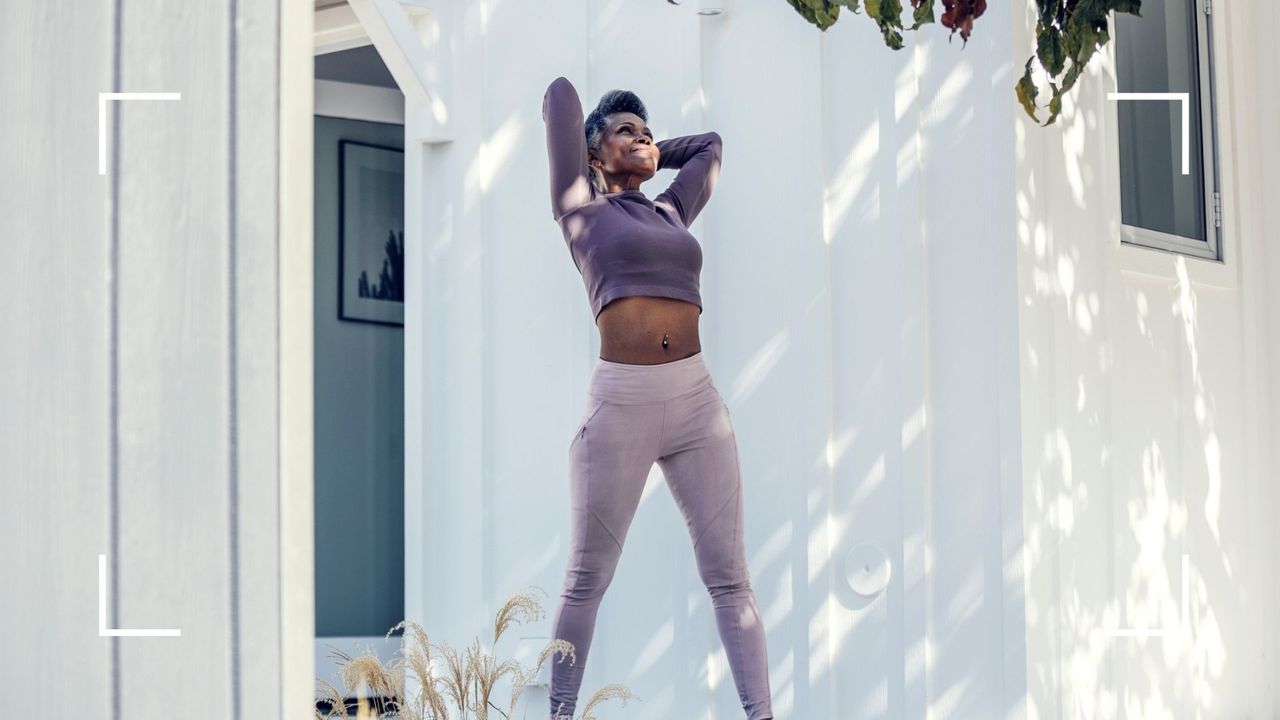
(370, 233)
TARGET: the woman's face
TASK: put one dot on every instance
(626, 148)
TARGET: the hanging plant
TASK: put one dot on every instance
(1068, 33)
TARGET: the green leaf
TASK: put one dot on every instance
(1068, 33)
(888, 15)
(1026, 91)
(1049, 49)
(821, 13)
(922, 13)
(1055, 104)
(1048, 10)
(1069, 80)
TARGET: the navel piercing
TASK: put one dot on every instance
(664, 340)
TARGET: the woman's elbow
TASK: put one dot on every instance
(560, 84)
(560, 96)
(714, 142)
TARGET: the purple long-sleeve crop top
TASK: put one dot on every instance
(622, 242)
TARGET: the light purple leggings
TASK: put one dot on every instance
(670, 413)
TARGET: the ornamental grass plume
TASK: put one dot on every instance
(465, 683)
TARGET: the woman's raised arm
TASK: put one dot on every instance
(566, 147)
(698, 157)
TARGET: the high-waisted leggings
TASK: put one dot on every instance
(670, 413)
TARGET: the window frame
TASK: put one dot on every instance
(1211, 247)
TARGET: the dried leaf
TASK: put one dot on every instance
(958, 15)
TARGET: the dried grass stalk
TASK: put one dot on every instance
(467, 682)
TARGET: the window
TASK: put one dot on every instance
(1168, 50)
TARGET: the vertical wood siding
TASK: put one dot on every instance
(141, 359)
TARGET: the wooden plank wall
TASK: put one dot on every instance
(141, 392)
(55, 383)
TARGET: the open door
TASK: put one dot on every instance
(359, 276)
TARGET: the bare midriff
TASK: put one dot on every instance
(632, 329)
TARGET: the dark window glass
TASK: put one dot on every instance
(1158, 52)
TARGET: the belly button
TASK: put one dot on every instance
(664, 340)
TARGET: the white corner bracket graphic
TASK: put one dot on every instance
(103, 97)
(103, 630)
(1186, 116)
(1162, 632)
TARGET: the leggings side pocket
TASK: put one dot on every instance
(582, 426)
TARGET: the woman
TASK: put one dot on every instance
(650, 397)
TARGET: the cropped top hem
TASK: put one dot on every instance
(666, 291)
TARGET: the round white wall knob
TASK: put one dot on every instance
(867, 569)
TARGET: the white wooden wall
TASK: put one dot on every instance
(153, 377)
(859, 287)
(914, 303)
(1149, 403)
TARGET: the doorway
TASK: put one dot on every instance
(358, 350)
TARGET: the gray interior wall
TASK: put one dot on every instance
(140, 377)
(361, 65)
(359, 422)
